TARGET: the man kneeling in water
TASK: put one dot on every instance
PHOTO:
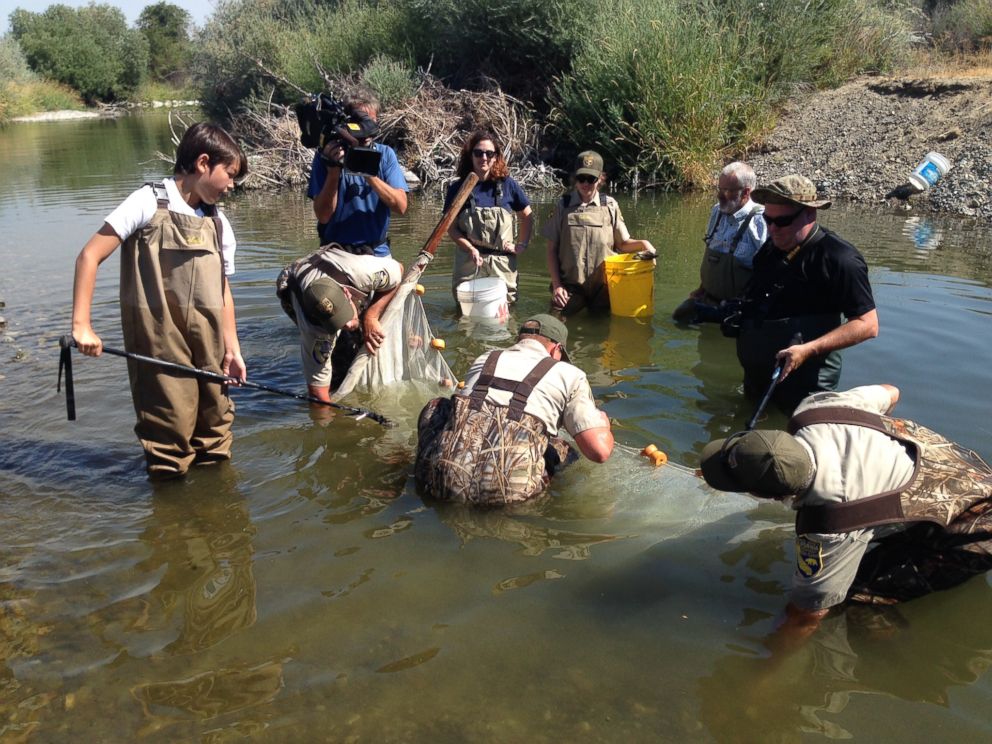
(497, 441)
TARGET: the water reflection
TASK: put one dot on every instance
(768, 694)
(201, 550)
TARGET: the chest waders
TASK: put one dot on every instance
(172, 300)
(761, 338)
(721, 274)
(947, 500)
(586, 239)
(471, 450)
(486, 228)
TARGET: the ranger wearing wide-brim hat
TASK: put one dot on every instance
(808, 298)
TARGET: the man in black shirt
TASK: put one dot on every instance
(805, 278)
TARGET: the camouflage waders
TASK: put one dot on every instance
(474, 451)
(949, 496)
(172, 300)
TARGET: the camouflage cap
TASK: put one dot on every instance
(325, 302)
(764, 463)
(549, 327)
(588, 163)
(794, 189)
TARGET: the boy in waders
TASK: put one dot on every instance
(175, 301)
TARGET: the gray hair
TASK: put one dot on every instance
(743, 172)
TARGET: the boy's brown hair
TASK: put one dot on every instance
(209, 139)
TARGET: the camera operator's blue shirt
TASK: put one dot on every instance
(361, 216)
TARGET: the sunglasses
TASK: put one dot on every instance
(785, 220)
(586, 179)
(484, 153)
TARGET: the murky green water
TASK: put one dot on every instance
(306, 593)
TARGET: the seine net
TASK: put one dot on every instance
(407, 354)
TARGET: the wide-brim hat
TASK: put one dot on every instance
(794, 189)
(325, 302)
(589, 163)
(764, 463)
(549, 327)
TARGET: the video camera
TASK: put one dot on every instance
(323, 120)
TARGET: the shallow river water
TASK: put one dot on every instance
(307, 593)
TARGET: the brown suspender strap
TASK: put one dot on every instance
(481, 389)
(884, 508)
(520, 389)
(839, 415)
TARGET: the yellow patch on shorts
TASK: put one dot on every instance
(809, 556)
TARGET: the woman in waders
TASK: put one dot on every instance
(585, 228)
(483, 232)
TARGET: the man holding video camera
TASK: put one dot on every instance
(353, 208)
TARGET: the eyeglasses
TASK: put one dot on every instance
(785, 220)
(728, 192)
(484, 153)
(586, 178)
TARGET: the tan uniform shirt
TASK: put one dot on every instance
(585, 234)
(368, 274)
(562, 398)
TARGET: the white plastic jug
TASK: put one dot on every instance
(931, 170)
(483, 298)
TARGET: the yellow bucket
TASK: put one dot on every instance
(630, 282)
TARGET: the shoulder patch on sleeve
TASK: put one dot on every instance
(809, 556)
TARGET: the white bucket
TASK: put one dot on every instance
(483, 298)
(931, 170)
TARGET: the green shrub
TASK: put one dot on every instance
(392, 81)
(166, 28)
(293, 41)
(965, 25)
(13, 65)
(522, 44)
(90, 49)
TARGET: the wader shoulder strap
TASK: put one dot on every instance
(741, 230)
(713, 225)
(161, 195)
(883, 508)
(520, 389)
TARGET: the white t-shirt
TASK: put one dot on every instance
(138, 209)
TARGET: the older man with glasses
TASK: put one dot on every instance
(805, 279)
(735, 232)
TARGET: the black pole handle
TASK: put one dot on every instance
(65, 363)
(359, 413)
(797, 338)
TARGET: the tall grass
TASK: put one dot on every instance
(965, 25)
(23, 92)
(666, 87)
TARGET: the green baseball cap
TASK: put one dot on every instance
(549, 327)
(589, 163)
(764, 463)
(325, 302)
(794, 189)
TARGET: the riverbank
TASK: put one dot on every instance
(861, 140)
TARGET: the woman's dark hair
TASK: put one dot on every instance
(499, 168)
(211, 140)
